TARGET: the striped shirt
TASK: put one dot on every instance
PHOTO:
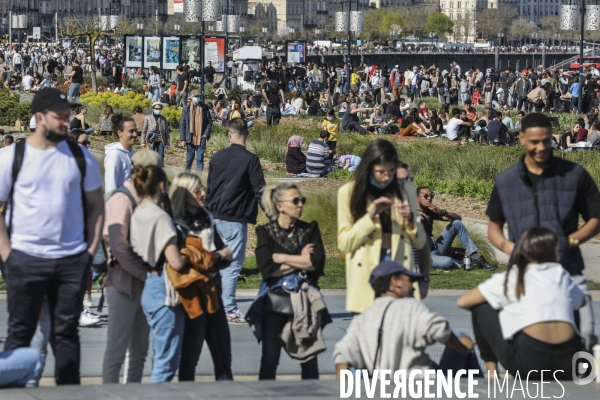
(317, 157)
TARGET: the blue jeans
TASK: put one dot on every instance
(40, 340)
(47, 82)
(444, 243)
(234, 235)
(166, 327)
(159, 147)
(19, 366)
(74, 92)
(198, 152)
(464, 96)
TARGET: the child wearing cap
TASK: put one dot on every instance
(407, 328)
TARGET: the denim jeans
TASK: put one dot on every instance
(195, 151)
(444, 243)
(234, 235)
(215, 329)
(73, 95)
(63, 281)
(272, 326)
(159, 147)
(127, 338)
(464, 96)
(40, 341)
(273, 115)
(166, 325)
(154, 94)
(47, 82)
(20, 366)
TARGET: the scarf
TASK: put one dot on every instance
(196, 124)
(294, 141)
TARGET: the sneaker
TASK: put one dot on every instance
(87, 300)
(87, 318)
(478, 261)
(236, 318)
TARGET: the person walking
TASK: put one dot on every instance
(76, 79)
(234, 187)
(117, 161)
(155, 132)
(378, 220)
(527, 195)
(51, 232)
(127, 329)
(195, 127)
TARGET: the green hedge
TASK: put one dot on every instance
(11, 109)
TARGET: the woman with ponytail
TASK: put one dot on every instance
(187, 199)
(378, 220)
(154, 238)
(291, 251)
(524, 318)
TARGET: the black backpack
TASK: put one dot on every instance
(16, 168)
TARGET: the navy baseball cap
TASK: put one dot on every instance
(387, 268)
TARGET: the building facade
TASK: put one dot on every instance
(464, 15)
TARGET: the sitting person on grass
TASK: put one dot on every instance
(295, 160)
(524, 318)
(348, 162)
(393, 333)
(458, 125)
(351, 119)
(317, 159)
(441, 247)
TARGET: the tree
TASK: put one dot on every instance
(90, 29)
(415, 21)
(378, 22)
(523, 28)
(439, 24)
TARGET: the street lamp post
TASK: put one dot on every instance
(265, 30)
(177, 28)
(140, 26)
(19, 21)
(353, 21)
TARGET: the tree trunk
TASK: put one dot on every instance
(93, 63)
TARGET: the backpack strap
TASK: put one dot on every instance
(16, 168)
(80, 159)
(125, 191)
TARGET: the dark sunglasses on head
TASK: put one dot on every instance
(427, 196)
(297, 200)
(85, 143)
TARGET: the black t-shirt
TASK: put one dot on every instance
(272, 90)
(590, 88)
(587, 203)
(427, 221)
(314, 107)
(51, 65)
(406, 122)
(26, 60)
(181, 78)
(209, 71)
(78, 77)
(300, 73)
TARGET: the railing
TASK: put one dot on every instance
(571, 60)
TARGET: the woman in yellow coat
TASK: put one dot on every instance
(378, 220)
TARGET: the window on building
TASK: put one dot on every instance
(467, 5)
(451, 4)
(451, 16)
(458, 4)
(443, 5)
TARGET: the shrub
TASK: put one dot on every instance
(11, 109)
(137, 84)
(173, 115)
(127, 101)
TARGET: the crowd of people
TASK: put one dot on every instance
(172, 251)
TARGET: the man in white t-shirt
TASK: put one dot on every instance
(50, 232)
(27, 82)
(458, 126)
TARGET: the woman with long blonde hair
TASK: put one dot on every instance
(187, 202)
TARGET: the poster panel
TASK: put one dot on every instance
(214, 51)
(178, 6)
(190, 51)
(171, 47)
(295, 51)
(133, 51)
(151, 51)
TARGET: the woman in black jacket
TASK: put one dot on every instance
(286, 246)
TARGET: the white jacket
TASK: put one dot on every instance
(117, 166)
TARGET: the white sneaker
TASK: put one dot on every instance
(88, 318)
(87, 300)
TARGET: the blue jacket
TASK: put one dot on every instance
(184, 129)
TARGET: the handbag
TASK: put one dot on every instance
(151, 137)
(278, 293)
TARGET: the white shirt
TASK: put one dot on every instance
(27, 82)
(453, 127)
(550, 295)
(48, 213)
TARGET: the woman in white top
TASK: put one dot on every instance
(524, 318)
(154, 238)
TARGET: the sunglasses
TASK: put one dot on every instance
(428, 196)
(85, 143)
(297, 200)
(409, 178)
